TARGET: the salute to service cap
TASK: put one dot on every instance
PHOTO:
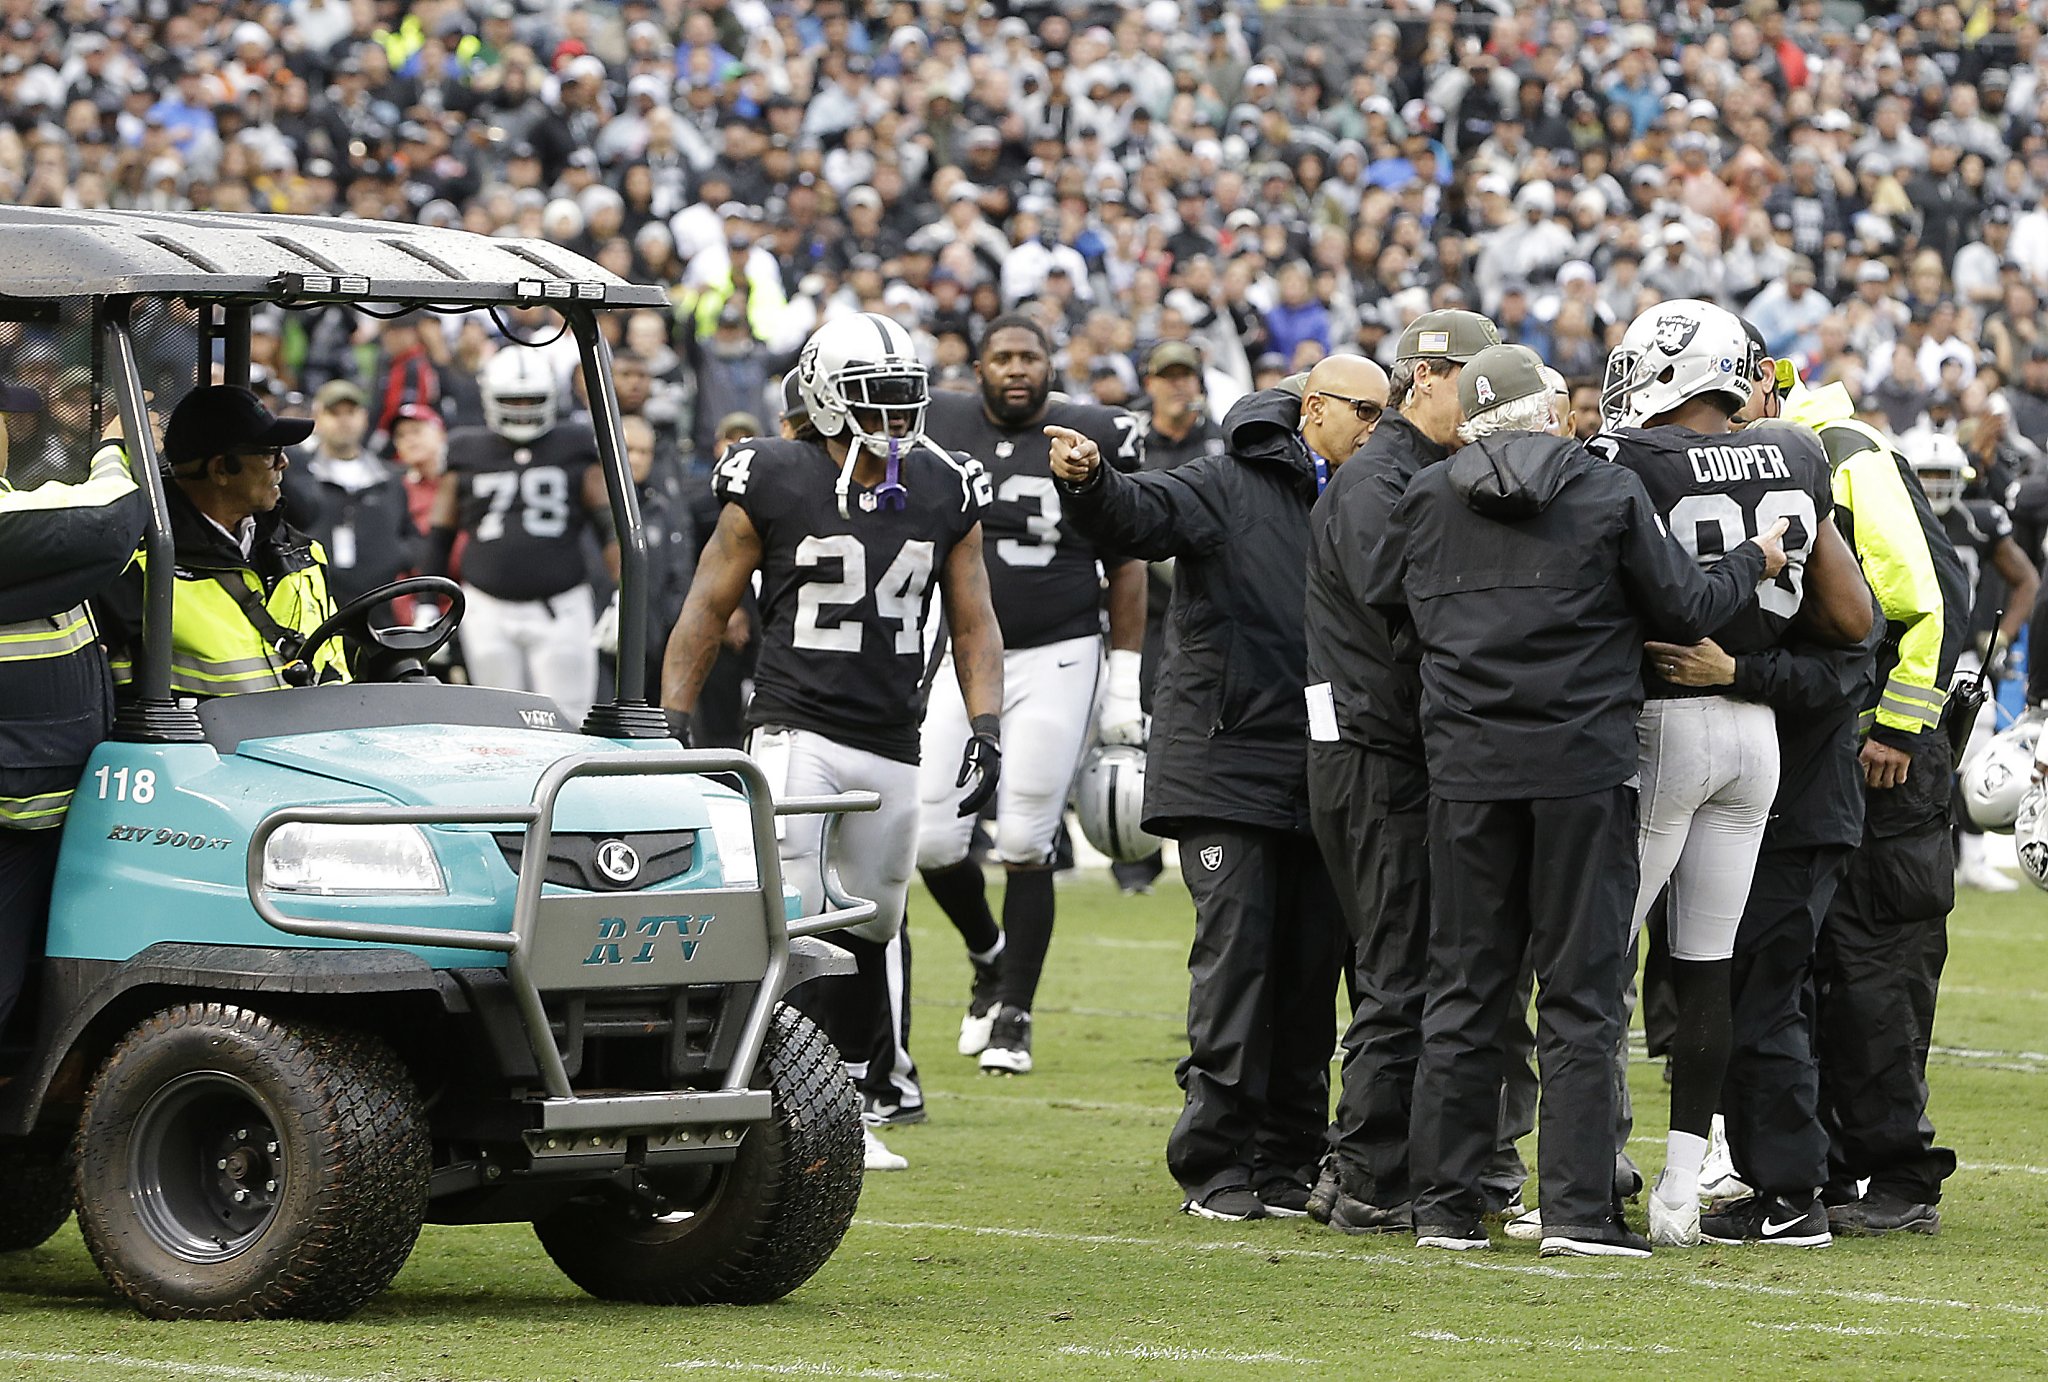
(1497, 375)
(222, 420)
(1446, 334)
(1173, 355)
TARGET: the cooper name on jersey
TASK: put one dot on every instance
(1719, 464)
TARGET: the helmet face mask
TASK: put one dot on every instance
(1939, 465)
(518, 395)
(861, 377)
(1673, 353)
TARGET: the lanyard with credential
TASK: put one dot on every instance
(1322, 466)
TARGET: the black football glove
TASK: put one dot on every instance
(982, 764)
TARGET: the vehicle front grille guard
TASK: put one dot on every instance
(562, 1108)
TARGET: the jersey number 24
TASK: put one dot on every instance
(899, 594)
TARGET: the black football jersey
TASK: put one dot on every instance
(844, 601)
(1976, 527)
(1044, 576)
(522, 506)
(1715, 492)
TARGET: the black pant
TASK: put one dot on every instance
(1371, 818)
(1876, 972)
(1554, 879)
(1771, 1095)
(28, 865)
(1261, 1009)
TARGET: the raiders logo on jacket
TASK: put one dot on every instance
(522, 506)
(1044, 575)
(844, 600)
(1715, 492)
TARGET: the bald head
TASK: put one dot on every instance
(1341, 403)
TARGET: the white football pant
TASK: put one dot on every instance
(871, 852)
(534, 645)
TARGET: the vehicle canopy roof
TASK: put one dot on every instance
(49, 253)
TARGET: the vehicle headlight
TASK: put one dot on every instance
(345, 860)
(732, 826)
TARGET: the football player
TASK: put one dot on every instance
(1981, 530)
(851, 526)
(526, 490)
(1046, 581)
(1709, 765)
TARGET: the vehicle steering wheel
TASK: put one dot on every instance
(393, 654)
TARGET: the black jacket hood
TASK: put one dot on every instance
(1261, 429)
(1512, 475)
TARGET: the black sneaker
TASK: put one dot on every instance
(1323, 1197)
(1353, 1215)
(1611, 1239)
(981, 1005)
(1232, 1203)
(877, 1114)
(1881, 1212)
(1284, 1199)
(1009, 1043)
(1452, 1237)
(1768, 1219)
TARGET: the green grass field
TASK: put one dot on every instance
(1036, 1235)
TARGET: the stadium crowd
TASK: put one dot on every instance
(1161, 196)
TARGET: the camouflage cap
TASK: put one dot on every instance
(1446, 334)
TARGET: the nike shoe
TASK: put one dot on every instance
(1769, 1219)
(1526, 1227)
(1674, 1228)
(1231, 1204)
(1322, 1198)
(1880, 1213)
(876, 1157)
(1009, 1043)
(1452, 1237)
(877, 1114)
(1284, 1199)
(1612, 1239)
(981, 1005)
(1353, 1215)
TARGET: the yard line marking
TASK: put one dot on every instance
(1161, 1353)
(1456, 1260)
(1121, 943)
(162, 1365)
(1856, 1331)
(798, 1369)
(1444, 1336)
(1267, 1250)
(1977, 991)
(2001, 1168)
(1041, 1009)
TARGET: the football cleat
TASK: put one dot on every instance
(1009, 1043)
(1674, 1228)
(877, 1157)
(981, 1005)
(1526, 1227)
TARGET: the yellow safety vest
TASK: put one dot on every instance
(217, 651)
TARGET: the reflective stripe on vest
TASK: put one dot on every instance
(215, 651)
(44, 811)
(58, 635)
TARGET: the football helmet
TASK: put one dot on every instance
(1939, 464)
(518, 391)
(1999, 774)
(2030, 834)
(861, 375)
(1674, 352)
(1109, 799)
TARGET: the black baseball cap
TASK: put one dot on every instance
(221, 419)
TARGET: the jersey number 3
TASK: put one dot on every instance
(542, 494)
(899, 595)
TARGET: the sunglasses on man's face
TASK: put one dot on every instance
(273, 456)
(1365, 408)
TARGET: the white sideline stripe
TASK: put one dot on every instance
(1453, 1260)
(1999, 1168)
(1444, 1336)
(798, 1369)
(161, 1365)
(1856, 1331)
(1042, 1009)
(1976, 1053)
(1978, 991)
(1265, 1250)
(1121, 943)
(1160, 1353)
(1083, 1105)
